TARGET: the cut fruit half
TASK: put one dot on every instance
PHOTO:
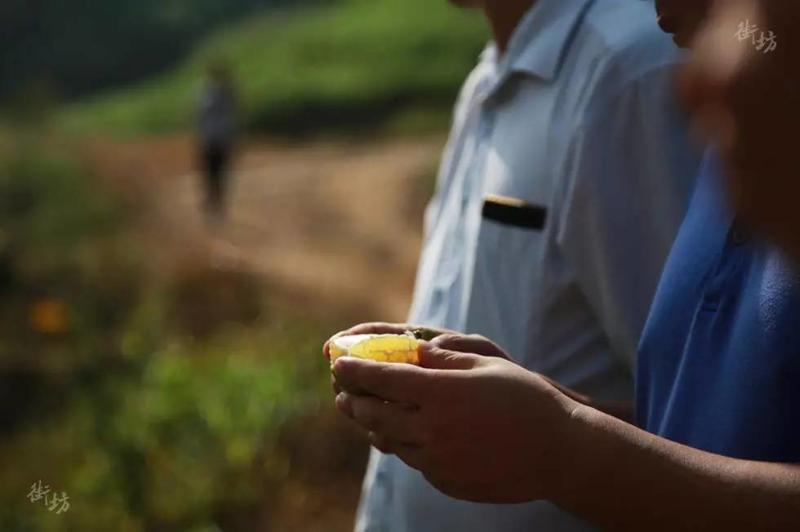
(401, 348)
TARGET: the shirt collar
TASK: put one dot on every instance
(540, 40)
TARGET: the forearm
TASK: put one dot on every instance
(619, 409)
(623, 478)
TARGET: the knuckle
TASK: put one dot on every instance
(445, 340)
(479, 338)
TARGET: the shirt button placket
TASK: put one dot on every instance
(478, 167)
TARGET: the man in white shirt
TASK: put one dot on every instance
(561, 189)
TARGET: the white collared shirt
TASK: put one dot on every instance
(578, 122)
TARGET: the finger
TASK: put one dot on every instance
(397, 422)
(433, 357)
(398, 383)
(470, 343)
(377, 327)
(335, 385)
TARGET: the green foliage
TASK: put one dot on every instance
(46, 209)
(192, 434)
(207, 427)
(60, 267)
(66, 294)
(354, 65)
(79, 47)
(143, 426)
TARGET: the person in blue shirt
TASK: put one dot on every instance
(714, 440)
(719, 360)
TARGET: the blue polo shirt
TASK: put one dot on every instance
(719, 359)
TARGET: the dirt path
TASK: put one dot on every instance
(332, 228)
(331, 223)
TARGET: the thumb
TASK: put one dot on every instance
(433, 357)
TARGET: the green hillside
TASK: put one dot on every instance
(358, 65)
(73, 49)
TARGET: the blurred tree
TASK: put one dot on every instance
(81, 46)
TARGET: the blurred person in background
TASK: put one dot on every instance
(216, 132)
(564, 181)
(719, 361)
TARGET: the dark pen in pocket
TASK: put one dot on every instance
(514, 212)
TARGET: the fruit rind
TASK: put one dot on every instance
(394, 348)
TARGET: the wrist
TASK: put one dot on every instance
(567, 439)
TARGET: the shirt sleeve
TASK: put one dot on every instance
(627, 177)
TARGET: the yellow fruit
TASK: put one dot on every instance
(379, 347)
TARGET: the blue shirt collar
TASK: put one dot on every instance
(540, 40)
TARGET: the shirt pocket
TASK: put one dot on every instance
(514, 212)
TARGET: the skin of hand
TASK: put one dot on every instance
(746, 101)
(478, 427)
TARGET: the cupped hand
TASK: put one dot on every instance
(479, 428)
